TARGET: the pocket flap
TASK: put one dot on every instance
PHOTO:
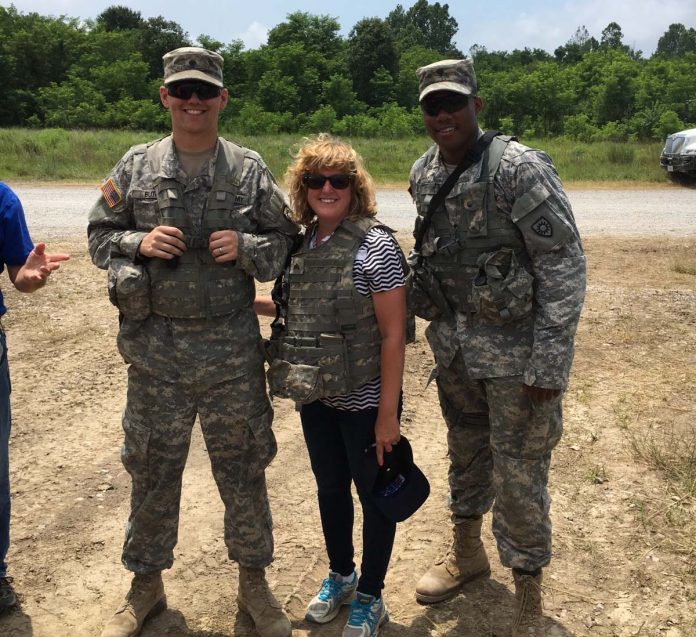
(301, 383)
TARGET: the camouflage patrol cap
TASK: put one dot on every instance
(193, 63)
(447, 75)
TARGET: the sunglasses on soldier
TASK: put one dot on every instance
(184, 90)
(449, 102)
(315, 182)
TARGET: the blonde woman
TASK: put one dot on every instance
(338, 351)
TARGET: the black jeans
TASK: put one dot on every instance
(336, 441)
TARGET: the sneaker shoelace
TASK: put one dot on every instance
(361, 612)
(329, 588)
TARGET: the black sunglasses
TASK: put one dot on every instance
(184, 90)
(450, 103)
(315, 182)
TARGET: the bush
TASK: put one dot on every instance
(322, 120)
(668, 123)
(579, 128)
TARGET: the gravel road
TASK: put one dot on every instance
(58, 211)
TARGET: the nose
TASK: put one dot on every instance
(327, 187)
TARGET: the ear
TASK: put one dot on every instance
(164, 97)
(478, 104)
(224, 98)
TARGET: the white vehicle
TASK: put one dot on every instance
(678, 157)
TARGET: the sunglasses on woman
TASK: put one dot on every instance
(315, 182)
(449, 102)
(184, 90)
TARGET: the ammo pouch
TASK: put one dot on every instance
(128, 284)
(301, 383)
(308, 368)
(502, 290)
(429, 302)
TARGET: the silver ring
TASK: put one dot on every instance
(220, 250)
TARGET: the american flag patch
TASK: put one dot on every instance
(112, 195)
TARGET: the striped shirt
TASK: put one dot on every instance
(377, 268)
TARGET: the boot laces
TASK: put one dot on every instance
(527, 606)
(256, 580)
(140, 586)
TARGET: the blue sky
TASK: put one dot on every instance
(504, 25)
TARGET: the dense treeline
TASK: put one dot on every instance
(63, 72)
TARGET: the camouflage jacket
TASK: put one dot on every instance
(513, 267)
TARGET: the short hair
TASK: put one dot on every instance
(321, 152)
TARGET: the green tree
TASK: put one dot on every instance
(370, 47)
(676, 41)
(428, 25)
(575, 48)
(157, 36)
(34, 51)
(615, 95)
(119, 18)
(382, 87)
(338, 93)
(277, 92)
(316, 33)
(407, 83)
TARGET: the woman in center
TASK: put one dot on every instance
(338, 351)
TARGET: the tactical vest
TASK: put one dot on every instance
(331, 325)
(467, 226)
(194, 286)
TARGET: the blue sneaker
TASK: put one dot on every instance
(327, 602)
(367, 615)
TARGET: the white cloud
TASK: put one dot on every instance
(255, 35)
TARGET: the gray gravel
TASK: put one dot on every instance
(60, 211)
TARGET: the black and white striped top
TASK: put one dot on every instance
(377, 268)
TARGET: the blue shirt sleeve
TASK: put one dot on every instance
(15, 241)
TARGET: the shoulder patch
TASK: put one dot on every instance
(112, 195)
(542, 227)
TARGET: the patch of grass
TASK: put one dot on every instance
(88, 155)
(596, 474)
(671, 453)
(684, 268)
(621, 153)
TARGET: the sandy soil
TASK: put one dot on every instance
(624, 533)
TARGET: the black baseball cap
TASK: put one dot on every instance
(398, 487)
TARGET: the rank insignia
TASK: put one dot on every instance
(112, 195)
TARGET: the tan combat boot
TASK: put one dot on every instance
(145, 599)
(528, 606)
(465, 561)
(255, 598)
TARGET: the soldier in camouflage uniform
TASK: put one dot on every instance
(184, 226)
(501, 276)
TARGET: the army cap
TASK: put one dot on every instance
(447, 75)
(193, 63)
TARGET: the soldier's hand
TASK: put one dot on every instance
(541, 394)
(223, 245)
(164, 242)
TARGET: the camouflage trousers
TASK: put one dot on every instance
(235, 417)
(500, 446)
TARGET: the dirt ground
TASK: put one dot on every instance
(624, 533)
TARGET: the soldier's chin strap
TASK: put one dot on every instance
(472, 156)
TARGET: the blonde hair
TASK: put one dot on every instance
(321, 152)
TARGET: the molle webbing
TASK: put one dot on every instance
(332, 324)
(198, 287)
(479, 229)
